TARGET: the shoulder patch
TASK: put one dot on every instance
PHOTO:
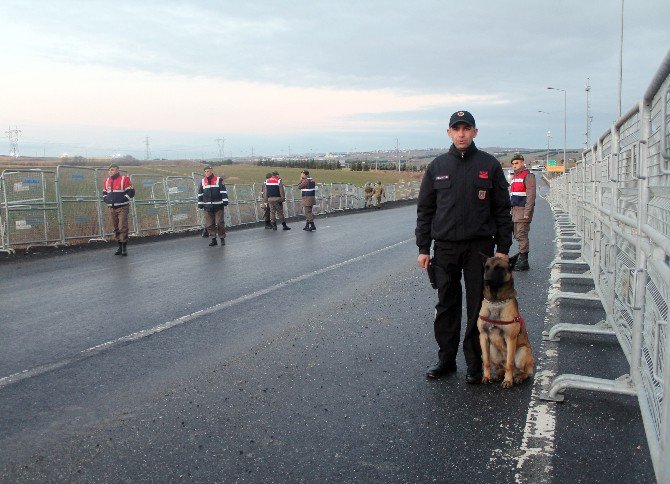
(483, 174)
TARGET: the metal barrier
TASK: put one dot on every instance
(30, 206)
(79, 193)
(41, 207)
(615, 207)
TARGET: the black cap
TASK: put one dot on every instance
(517, 156)
(207, 167)
(114, 165)
(275, 173)
(461, 117)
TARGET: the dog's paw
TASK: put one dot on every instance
(507, 384)
(486, 379)
(519, 379)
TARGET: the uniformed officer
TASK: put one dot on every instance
(307, 188)
(212, 197)
(266, 207)
(464, 209)
(368, 190)
(117, 190)
(274, 196)
(378, 193)
(522, 197)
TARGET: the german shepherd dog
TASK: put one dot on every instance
(502, 332)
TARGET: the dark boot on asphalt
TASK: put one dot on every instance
(119, 251)
(284, 226)
(522, 263)
(442, 368)
(213, 242)
(123, 248)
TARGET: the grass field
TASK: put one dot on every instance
(240, 173)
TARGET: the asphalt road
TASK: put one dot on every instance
(286, 357)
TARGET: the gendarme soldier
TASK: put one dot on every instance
(117, 191)
(307, 188)
(212, 197)
(274, 196)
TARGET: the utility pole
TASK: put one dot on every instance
(620, 60)
(147, 153)
(548, 138)
(397, 153)
(13, 135)
(220, 143)
(589, 118)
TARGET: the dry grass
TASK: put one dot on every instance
(232, 174)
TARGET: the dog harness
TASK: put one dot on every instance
(498, 322)
(517, 319)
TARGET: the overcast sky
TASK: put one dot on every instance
(96, 78)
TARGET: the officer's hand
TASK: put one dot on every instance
(500, 254)
(423, 260)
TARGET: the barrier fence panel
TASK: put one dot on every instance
(4, 246)
(79, 198)
(150, 211)
(43, 206)
(30, 207)
(247, 208)
(182, 194)
(618, 198)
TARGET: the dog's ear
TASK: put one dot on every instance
(512, 261)
(484, 257)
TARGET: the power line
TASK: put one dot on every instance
(148, 152)
(220, 143)
(13, 135)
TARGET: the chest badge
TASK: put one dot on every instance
(482, 195)
(484, 174)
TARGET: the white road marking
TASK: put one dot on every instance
(94, 350)
(533, 461)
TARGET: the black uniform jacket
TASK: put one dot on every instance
(464, 196)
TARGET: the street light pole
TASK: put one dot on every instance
(565, 126)
(546, 166)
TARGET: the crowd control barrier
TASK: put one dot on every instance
(612, 217)
(64, 205)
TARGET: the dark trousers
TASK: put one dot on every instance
(451, 260)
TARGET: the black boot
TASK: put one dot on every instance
(306, 227)
(274, 225)
(223, 241)
(268, 225)
(313, 226)
(522, 262)
(213, 242)
(204, 233)
(123, 248)
(119, 251)
(284, 226)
